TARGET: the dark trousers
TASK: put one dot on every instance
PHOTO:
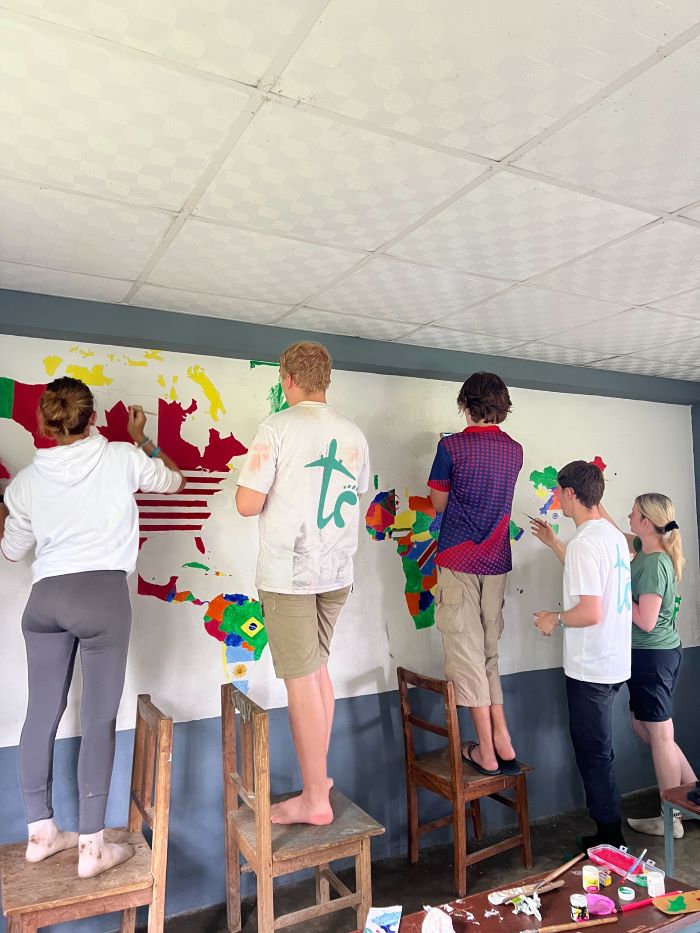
(590, 725)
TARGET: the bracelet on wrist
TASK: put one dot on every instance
(559, 620)
(154, 452)
(143, 443)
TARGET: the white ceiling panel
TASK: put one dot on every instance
(632, 145)
(58, 282)
(547, 353)
(329, 322)
(302, 174)
(68, 231)
(235, 38)
(646, 367)
(636, 331)
(515, 227)
(247, 264)
(686, 304)
(235, 309)
(105, 123)
(683, 353)
(525, 314)
(658, 261)
(481, 77)
(387, 288)
(442, 338)
(692, 212)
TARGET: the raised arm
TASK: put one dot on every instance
(629, 538)
(136, 427)
(546, 534)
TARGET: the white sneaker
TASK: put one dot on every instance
(654, 826)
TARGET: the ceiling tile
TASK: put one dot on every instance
(387, 288)
(547, 353)
(478, 76)
(68, 231)
(236, 38)
(58, 282)
(635, 331)
(692, 212)
(432, 336)
(328, 322)
(645, 367)
(103, 122)
(525, 314)
(235, 309)
(682, 353)
(660, 260)
(302, 174)
(247, 264)
(686, 304)
(633, 145)
(514, 227)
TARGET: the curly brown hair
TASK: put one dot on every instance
(309, 364)
(485, 396)
(65, 407)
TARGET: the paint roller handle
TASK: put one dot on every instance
(645, 903)
(560, 871)
(562, 927)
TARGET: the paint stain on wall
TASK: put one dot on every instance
(216, 406)
(93, 376)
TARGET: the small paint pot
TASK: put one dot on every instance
(591, 879)
(605, 877)
(579, 908)
(461, 921)
(626, 894)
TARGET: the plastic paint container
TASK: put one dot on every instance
(579, 907)
(605, 877)
(626, 894)
(656, 883)
(591, 879)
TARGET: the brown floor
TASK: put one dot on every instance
(430, 881)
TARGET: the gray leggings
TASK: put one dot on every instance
(92, 610)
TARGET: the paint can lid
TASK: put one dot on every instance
(578, 900)
(626, 894)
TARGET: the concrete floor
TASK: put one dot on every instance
(430, 881)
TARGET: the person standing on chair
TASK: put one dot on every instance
(304, 474)
(472, 482)
(597, 626)
(74, 505)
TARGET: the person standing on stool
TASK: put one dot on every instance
(305, 471)
(472, 481)
(597, 624)
(74, 504)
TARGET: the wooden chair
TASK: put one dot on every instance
(43, 893)
(271, 851)
(444, 772)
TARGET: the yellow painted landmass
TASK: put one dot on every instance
(172, 392)
(51, 364)
(216, 406)
(84, 353)
(153, 355)
(92, 377)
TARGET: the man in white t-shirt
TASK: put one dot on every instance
(597, 624)
(305, 471)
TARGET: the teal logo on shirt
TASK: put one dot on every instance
(330, 464)
(624, 583)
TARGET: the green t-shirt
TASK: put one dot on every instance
(653, 573)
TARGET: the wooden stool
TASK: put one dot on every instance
(445, 772)
(271, 851)
(675, 798)
(41, 893)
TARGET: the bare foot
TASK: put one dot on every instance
(96, 855)
(504, 747)
(46, 839)
(473, 751)
(299, 810)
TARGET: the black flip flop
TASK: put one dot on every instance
(475, 764)
(508, 765)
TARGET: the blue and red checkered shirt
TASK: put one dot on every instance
(479, 469)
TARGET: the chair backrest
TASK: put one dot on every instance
(150, 782)
(410, 720)
(250, 782)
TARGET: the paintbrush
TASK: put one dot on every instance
(575, 925)
(559, 871)
(635, 866)
(623, 908)
(540, 887)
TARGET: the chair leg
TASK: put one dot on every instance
(233, 883)
(476, 818)
(669, 855)
(459, 825)
(413, 834)
(127, 924)
(363, 881)
(323, 889)
(266, 910)
(524, 818)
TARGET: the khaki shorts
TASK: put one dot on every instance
(300, 629)
(469, 615)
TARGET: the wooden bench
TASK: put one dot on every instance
(675, 798)
(446, 773)
(271, 850)
(38, 894)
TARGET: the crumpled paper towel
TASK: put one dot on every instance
(437, 921)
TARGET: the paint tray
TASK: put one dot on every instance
(620, 861)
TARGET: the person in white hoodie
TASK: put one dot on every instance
(74, 504)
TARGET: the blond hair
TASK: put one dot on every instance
(309, 364)
(65, 407)
(660, 511)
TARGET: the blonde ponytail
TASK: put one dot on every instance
(660, 511)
